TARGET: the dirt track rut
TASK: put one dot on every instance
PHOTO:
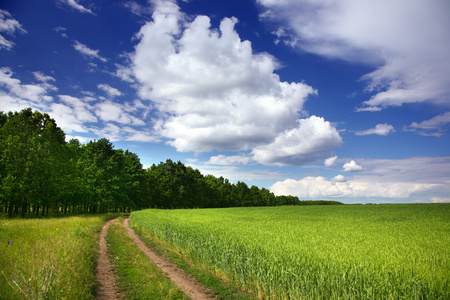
(106, 288)
(187, 284)
(106, 280)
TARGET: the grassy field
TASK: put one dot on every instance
(52, 258)
(138, 277)
(316, 252)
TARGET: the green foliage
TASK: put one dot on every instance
(32, 158)
(317, 252)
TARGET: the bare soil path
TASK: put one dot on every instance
(105, 277)
(187, 284)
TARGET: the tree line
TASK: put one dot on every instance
(41, 172)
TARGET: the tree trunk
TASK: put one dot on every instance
(24, 210)
(10, 210)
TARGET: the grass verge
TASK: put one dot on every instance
(138, 277)
(223, 290)
(51, 258)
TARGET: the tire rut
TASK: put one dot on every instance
(186, 283)
(106, 288)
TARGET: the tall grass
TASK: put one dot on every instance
(317, 252)
(49, 258)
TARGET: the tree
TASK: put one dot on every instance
(32, 155)
(102, 177)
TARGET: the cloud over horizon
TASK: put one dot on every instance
(383, 178)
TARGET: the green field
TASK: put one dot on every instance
(316, 252)
(51, 258)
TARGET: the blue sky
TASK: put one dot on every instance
(343, 100)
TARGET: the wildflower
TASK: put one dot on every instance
(10, 243)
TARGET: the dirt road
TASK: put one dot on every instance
(105, 277)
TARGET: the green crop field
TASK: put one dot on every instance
(316, 252)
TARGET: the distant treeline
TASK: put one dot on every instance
(41, 172)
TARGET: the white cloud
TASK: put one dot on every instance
(42, 77)
(213, 92)
(134, 135)
(73, 114)
(81, 139)
(230, 160)
(137, 8)
(77, 115)
(406, 39)
(66, 119)
(9, 26)
(319, 187)
(4, 43)
(380, 129)
(415, 177)
(16, 96)
(440, 199)
(331, 161)
(86, 51)
(339, 178)
(115, 112)
(34, 93)
(112, 92)
(78, 7)
(61, 30)
(313, 139)
(352, 166)
(434, 126)
(81, 108)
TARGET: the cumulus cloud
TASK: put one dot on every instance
(9, 26)
(352, 166)
(339, 178)
(406, 40)
(384, 178)
(331, 161)
(313, 139)
(112, 92)
(88, 52)
(380, 129)
(214, 92)
(434, 126)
